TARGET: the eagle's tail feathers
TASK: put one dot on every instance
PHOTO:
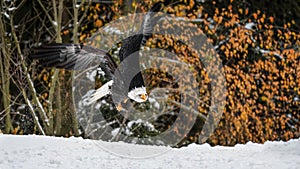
(101, 92)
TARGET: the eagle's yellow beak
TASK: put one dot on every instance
(143, 97)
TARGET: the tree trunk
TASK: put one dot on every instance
(5, 79)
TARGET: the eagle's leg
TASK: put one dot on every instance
(123, 106)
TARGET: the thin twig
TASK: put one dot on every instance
(31, 86)
(46, 12)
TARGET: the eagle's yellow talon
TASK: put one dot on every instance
(119, 107)
(126, 100)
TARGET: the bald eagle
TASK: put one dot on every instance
(77, 56)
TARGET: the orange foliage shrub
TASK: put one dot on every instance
(261, 63)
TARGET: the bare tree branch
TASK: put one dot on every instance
(47, 13)
(41, 110)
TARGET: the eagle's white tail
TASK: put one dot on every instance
(101, 92)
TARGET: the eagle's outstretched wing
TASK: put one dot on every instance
(78, 57)
(133, 43)
(149, 21)
(73, 57)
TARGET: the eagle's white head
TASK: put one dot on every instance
(138, 94)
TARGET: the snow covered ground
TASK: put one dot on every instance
(50, 152)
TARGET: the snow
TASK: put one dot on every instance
(54, 23)
(100, 72)
(53, 152)
(91, 75)
(11, 9)
(267, 51)
(109, 29)
(6, 15)
(21, 107)
(250, 25)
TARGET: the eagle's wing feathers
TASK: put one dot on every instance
(79, 57)
(73, 57)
